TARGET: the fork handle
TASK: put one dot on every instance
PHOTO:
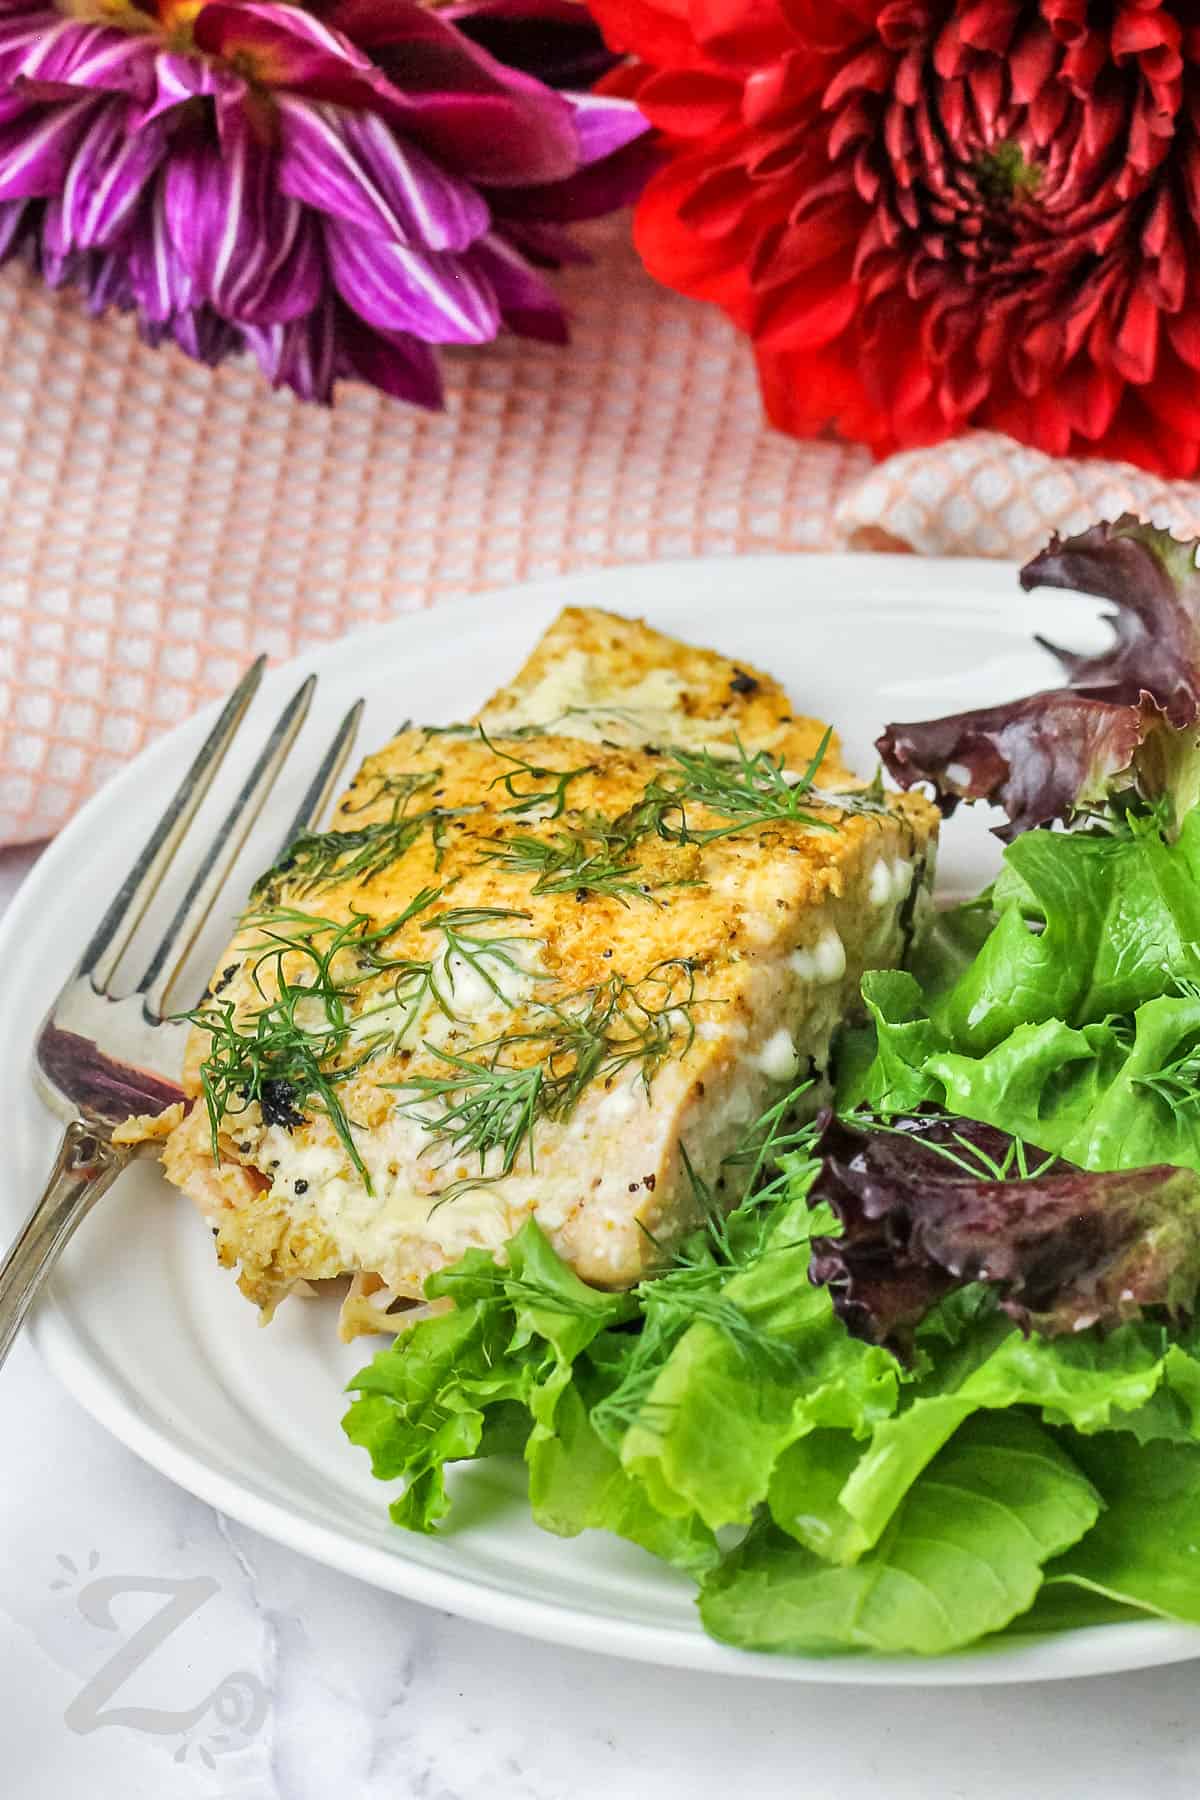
(86, 1167)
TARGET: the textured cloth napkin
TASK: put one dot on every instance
(159, 521)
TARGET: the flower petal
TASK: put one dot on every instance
(161, 283)
(353, 166)
(13, 215)
(36, 151)
(601, 188)
(205, 336)
(435, 295)
(300, 354)
(22, 32)
(528, 304)
(106, 282)
(544, 244)
(556, 40)
(605, 125)
(285, 47)
(108, 175)
(252, 251)
(58, 263)
(181, 78)
(396, 364)
(436, 208)
(95, 57)
(477, 117)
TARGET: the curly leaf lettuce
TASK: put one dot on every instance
(1091, 926)
(932, 1201)
(501, 1356)
(907, 1508)
(576, 1483)
(727, 1402)
(1077, 1025)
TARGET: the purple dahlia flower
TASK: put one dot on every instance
(334, 187)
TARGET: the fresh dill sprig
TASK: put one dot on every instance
(298, 1048)
(554, 796)
(398, 786)
(775, 1152)
(687, 1293)
(1177, 1082)
(971, 1158)
(750, 788)
(418, 979)
(460, 928)
(1186, 987)
(319, 859)
(778, 1149)
(485, 1106)
(589, 860)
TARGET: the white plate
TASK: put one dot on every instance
(155, 1340)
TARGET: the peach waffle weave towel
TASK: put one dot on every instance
(159, 521)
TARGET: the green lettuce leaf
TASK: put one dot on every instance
(893, 1076)
(503, 1354)
(576, 1483)
(423, 1402)
(1119, 923)
(1060, 1607)
(1103, 1099)
(1117, 1092)
(1144, 1550)
(962, 1556)
(737, 1389)
(839, 1498)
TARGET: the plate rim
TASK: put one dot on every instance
(61, 1341)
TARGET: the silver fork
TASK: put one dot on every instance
(100, 1058)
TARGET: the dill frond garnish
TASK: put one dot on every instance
(485, 1106)
(460, 927)
(554, 796)
(777, 1152)
(298, 1047)
(1177, 1083)
(750, 788)
(319, 859)
(972, 1158)
(399, 786)
(592, 859)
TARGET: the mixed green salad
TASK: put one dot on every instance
(937, 1377)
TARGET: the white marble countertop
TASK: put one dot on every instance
(332, 1689)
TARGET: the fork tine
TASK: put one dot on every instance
(324, 783)
(222, 853)
(129, 903)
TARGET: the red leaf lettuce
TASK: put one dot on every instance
(1125, 719)
(931, 1202)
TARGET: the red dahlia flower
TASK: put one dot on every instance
(931, 214)
(333, 187)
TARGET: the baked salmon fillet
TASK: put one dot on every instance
(551, 966)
